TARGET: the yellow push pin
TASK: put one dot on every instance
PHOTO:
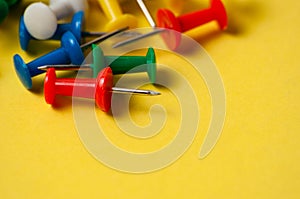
(118, 20)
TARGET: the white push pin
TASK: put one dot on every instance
(41, 19)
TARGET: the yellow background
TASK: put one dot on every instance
(257, 156)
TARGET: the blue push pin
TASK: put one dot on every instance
(74, 27)
(69, 52)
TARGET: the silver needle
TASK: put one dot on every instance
(103, 37)
(146, 13)
(66, 67)
(122, 43)
(135, 91)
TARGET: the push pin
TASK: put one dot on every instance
(4, 8)
(69, 52)
(166, 19)
(74, 27)
(99, 89)
(118, 64)
(117, 19)
(41, 19)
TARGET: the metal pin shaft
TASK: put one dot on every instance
(66, 67)
(92, 34)
(146, 13)
(103, 37)
(135, 91)
(122, 43)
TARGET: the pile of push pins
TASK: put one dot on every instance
(41, 22)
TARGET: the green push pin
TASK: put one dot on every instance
(118, 64)
(124, 64)
(4, 8)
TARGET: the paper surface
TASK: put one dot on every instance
(257, 155)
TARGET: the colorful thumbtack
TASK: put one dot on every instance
(118, 64)
(75, 27)
(69, 52)
(124, 64)
(114, 13)
(99, 89)
(166, 19)
(4, 8)
(41, 19)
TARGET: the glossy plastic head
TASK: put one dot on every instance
(103, 92)
(49, 86)
(151, 65)
(70, 51)
(22, 71)
(75, 26)
(3, 10)
(166, 19)
(220, 13)
(40, 21)
(71, 47)
(98, 60)
(24, 36)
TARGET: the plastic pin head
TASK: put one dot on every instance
(151, 65)
(98, 60)
(166, 19)
(49, 86)
(75, 27)
(69, 52)
(24, 36)
(41, 19)
(22, 72)
(220, 13)
(104, 89)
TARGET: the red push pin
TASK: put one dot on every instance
(99, 89)
(166, 19)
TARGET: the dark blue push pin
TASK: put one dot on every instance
(74, 27)
(69, 52)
